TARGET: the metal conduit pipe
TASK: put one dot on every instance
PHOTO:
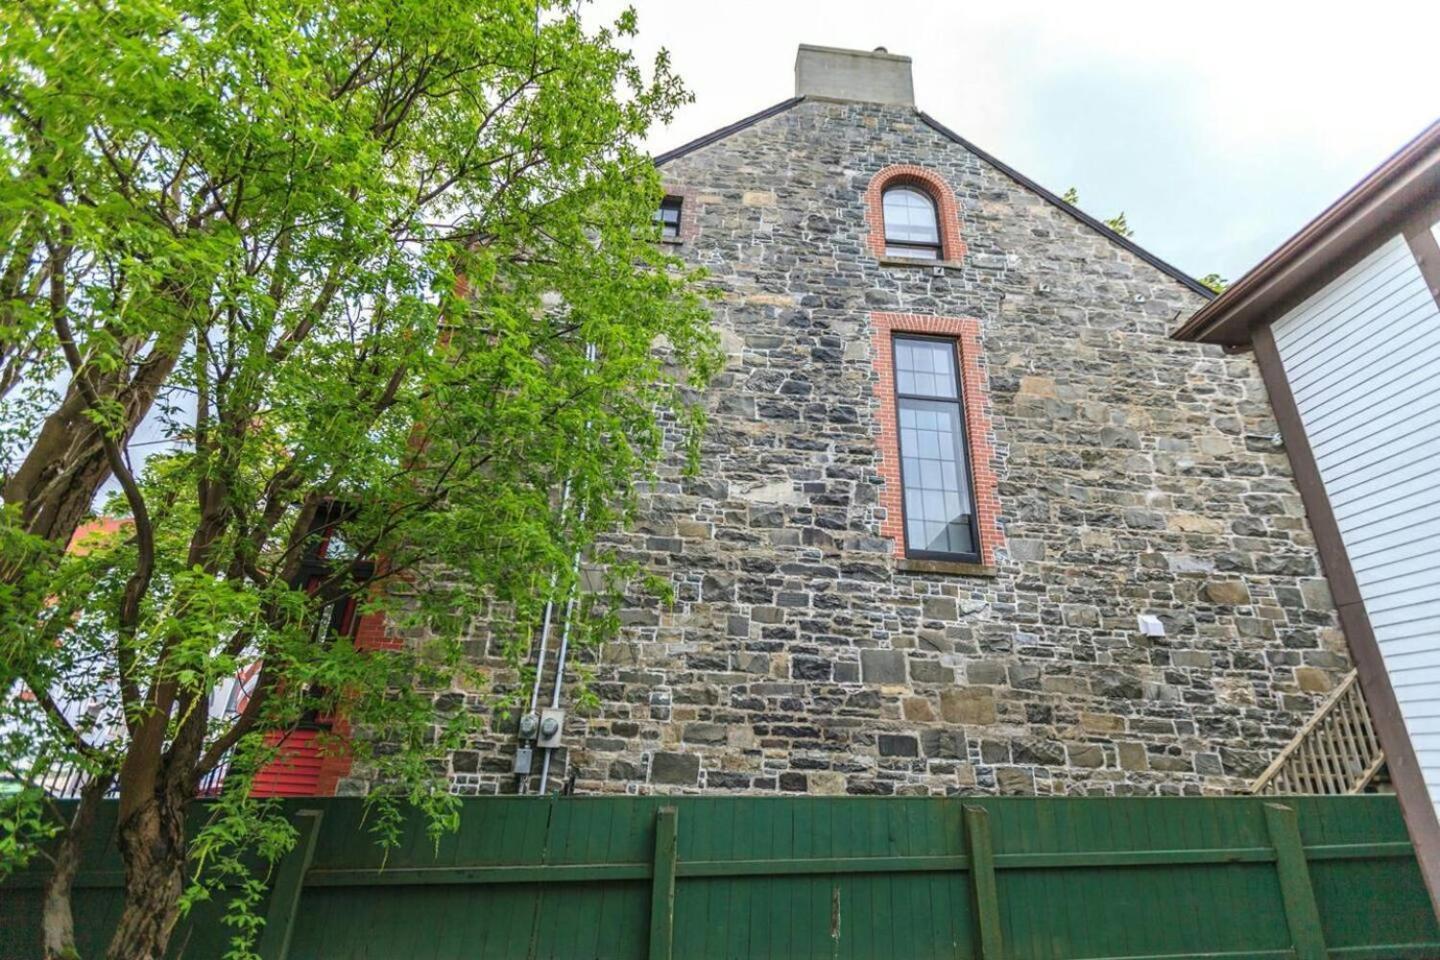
(559, 677)
(545, 622)
(590, 355)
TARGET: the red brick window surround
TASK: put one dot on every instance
(975, 407)
(689, 201)
(952, 248)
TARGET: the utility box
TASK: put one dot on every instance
(552, 728)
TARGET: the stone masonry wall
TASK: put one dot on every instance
(1135, 475)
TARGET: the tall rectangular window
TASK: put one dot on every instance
(938, 505)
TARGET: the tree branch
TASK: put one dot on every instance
(139, 582)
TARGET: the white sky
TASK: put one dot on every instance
(1219, 128)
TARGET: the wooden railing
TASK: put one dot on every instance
(1336, 752)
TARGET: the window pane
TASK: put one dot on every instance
(937, 504)
(669, 217)
(925, 367)
(910, 217)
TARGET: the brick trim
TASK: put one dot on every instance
(689, 222)
(975, 400)
(952, 246)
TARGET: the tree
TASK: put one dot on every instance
(1118, 224)
(1215, 282)
(381, 276)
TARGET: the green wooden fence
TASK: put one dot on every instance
(721, 877)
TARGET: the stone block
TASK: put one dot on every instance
(1132, 755)
(1015, 781)
(1228, 592)
(968, 706)
(811, 668)
(1209, 765)
(1101, 723)
(1317, 594)
(882, 666)
(675, 769)
(985, 671)
(1313, 680)
(943, 744)
(1026, 549)
(918, 709)
(1038, 752)
(938, 608)
(707, 733)
(793, 783)
(894, 745)
(930, 671)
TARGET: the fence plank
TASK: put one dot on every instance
(1301, 912)
(285, 895)
(662, 886)
(982, 883)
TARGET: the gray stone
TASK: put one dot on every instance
(882, 666)
(710, 733)
(1126, 478)
(892, 745)
(675, 769)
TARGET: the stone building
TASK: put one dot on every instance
(1093, 573)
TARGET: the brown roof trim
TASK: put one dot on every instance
(1345, 231)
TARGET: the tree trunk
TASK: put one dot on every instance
(152, 843)
(58, 920)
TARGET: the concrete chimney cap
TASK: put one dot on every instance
(866, 76)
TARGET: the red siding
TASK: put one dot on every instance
(296, 772)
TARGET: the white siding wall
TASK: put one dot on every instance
(1363, 360)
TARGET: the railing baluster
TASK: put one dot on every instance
(1334, 753)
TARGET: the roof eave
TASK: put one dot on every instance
(1326, 246)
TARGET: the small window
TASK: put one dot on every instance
(938, 505)
(668, 216)
(911, 227)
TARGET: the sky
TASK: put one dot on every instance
(1219, 128)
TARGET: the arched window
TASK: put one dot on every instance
(911, 225)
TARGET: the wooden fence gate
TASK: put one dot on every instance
(721, 877)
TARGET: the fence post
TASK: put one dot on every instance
(662, 885)
(285, 894)
(1301, 912)
(982, 883)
